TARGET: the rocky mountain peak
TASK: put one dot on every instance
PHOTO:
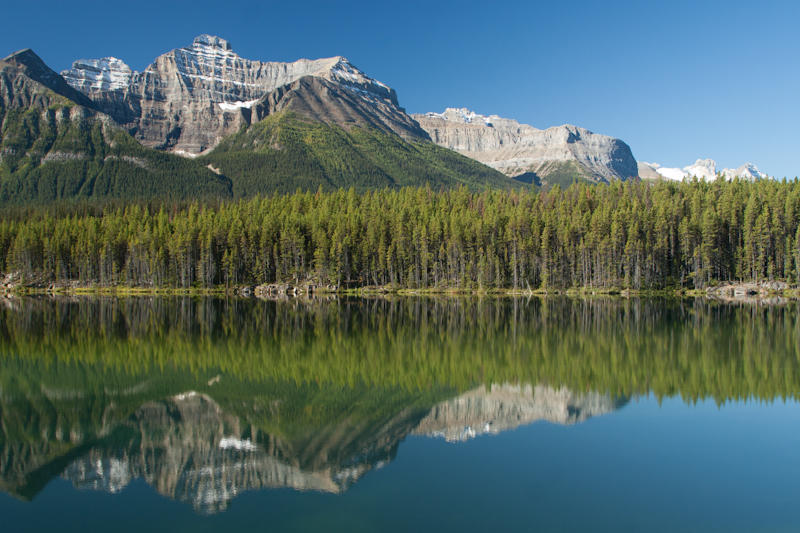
(32, 65)
(212, 41)
(29, 65)
(104, 74)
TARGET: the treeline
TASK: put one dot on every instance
(635, 235)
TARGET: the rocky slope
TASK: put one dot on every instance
(191, 97)
(503, 407)
(704, 169)
(558, 154)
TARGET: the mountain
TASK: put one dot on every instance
(190, 98)
(103, 130)
(556, 155)
(270, 126)
(55, 144)
(705, 169)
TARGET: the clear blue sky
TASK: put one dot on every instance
(676, 80)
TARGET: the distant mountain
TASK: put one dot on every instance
(559, 154)
(269, 126)
(705, 169)
(55, 144)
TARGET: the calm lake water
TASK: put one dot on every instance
(429, 414)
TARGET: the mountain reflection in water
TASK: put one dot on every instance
(189, 449)
(207, 398)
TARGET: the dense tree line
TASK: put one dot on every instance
(635, 234)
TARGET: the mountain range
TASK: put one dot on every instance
(705, 169)
(201, 121)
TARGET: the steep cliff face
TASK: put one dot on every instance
(502, 407)
(515, 149)
(191, 97)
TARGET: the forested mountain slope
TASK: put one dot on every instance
(291, 150)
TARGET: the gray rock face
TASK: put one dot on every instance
(330, 102)
(26, 82)
(502, 407)
(515, 149)
(191, 97)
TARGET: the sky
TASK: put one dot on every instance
(677, 80)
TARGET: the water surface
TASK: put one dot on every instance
(431, 414)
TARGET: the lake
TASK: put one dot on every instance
(398, 414)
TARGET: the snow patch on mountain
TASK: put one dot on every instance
(462, 115)
(105, 74)
(233, 106)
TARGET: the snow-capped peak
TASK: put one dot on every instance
(210, 41)
(747, 171)
(706, 169)
(104, 74)
(341, 70)
(461, 114)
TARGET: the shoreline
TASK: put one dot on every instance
(731, 292)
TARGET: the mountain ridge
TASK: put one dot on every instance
(704, 169)
(558, 154)
(191, 97)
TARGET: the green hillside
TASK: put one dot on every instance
(47, 155)
(285, 152)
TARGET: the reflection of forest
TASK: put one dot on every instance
(204, 398)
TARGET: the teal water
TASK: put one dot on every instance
(178, 414)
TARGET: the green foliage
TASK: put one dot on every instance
(619, 347)
(624, 235)
(47, 156)
(319, 384)
(564, 174)
(285, 153)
